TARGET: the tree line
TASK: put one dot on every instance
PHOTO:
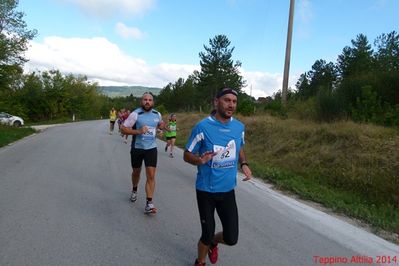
(362, 85)
(50, 95)
(47, 95)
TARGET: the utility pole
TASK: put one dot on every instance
(284, 91)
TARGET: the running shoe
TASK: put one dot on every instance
(149, 208)
(213, 253)
(133, 196)
(166, 148)
(171, 155)
(199, 263)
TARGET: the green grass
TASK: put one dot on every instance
(347, 167)
(379, 215)
(51, 122)
(10, 134)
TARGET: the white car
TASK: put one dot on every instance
(11, 120)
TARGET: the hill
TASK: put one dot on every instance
(123, 91)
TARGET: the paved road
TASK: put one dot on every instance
(64, 201)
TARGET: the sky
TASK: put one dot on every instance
(156, 42)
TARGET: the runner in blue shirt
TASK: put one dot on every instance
(216, 147)
(143, 123)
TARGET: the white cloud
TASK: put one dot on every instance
(379, 5)
(305, 16)
(305, 11)
(103, 62)
(263, 84)
(100, 60)
(128, 32)
(113, 8)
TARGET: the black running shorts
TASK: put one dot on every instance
(149, 156)
(226, 208)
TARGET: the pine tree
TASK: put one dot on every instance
(218, 69)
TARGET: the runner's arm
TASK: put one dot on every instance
(161, 124)
(129, 131)
(127, 125)
(244, 165)
(197, 160)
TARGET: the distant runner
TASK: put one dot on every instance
(170, 134)
(112, 119)
(124, 116)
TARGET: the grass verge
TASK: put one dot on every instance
(378, 215)
(10, 134)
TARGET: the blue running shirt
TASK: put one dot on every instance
(220, 173)
(139, 118)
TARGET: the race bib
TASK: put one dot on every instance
(225, 156)
(150, 134)
(172, 127)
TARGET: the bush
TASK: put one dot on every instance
(246, 107)
(391, 115)
(275, 108)
(328, 106)
(304, 110)
(161, 108)
(367, 107)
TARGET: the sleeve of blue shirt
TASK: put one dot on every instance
(194, 142)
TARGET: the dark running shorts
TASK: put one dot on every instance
(226, 208)
(169, 138)
(149, 156)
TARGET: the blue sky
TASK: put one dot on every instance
(154, 42)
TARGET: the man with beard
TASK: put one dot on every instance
(216, 147)
(143, 124)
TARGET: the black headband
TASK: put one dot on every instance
(226, 91)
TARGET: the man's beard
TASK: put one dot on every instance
(223, 113)
(225, 116)
(146, 108)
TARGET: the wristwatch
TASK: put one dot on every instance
(245, 163)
